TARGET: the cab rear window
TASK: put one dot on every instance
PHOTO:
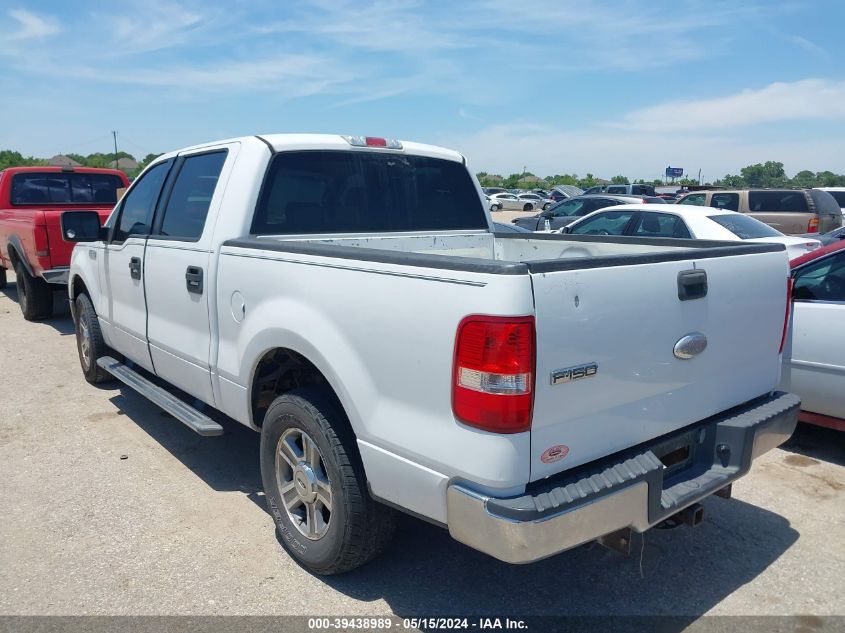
(365, 192)
(65, 188)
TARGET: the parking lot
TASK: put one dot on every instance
(112, 507)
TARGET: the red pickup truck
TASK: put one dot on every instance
(32, 200)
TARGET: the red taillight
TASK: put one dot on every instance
(813, 225)
(789, 284)
(493, 376)
(375, 141)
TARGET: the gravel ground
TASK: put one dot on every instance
(179, 526)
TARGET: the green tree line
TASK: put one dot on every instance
(770, 174)
(11, 158)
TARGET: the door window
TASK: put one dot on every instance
(617, 190)
(138, 204)
(571, 207)
(660, 225)
(729, 201)
(605, 223)
(696, 199)
(187, 207)
(823, 280)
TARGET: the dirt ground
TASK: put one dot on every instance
(110, 506)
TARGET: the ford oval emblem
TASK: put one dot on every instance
(690, 345)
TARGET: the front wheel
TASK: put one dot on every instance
(89, 340)
(315, 484)
(528, 207)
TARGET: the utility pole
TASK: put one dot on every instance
(114, 135)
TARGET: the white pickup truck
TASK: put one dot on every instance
(347, 298)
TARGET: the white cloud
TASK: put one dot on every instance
(806, 99)
(711, 135)
(152, 26)
(289, 76)
(32, 26)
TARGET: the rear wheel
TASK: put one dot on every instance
(528, 207)
(35, 296)
(89, 340)
(315, 484)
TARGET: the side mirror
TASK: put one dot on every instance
(82, 226)
(546, 214)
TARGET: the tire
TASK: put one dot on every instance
(528, 207)
(326, 539)
(35, 296)
(89, 340)
(547, 205)
(3, 280)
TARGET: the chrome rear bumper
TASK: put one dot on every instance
(633, 490)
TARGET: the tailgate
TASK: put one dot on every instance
(626, 320)
(60, 249)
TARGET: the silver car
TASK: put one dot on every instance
(537, 200)
(509, 202)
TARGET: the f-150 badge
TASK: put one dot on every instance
(560, 376)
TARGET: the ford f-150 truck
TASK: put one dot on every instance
(347, 298)
(32, 199)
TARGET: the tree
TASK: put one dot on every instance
(11, 158)
(587, 181)
(768, 174)
(619, 180)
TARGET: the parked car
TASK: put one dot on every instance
(32, 200)
(828, 238)
(537, 201)
(488, 383)
(559, 215)
(623, 190)
(489, 191)
(838, 194)
(814, 354)
(652, 220)
(509, 202)
(790, 211)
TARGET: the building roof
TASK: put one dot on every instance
(60, 160)
(127, 163)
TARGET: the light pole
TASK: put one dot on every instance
(114, 135)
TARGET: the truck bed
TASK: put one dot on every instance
(504, 253)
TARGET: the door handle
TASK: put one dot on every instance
(692, 284)
(135, 267)
(193, 279)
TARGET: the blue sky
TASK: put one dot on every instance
(554, 86)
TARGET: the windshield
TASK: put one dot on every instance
(745, 227)
(365, 192)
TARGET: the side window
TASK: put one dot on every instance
(823, 280)
(777, 201)
(661, 225)
(696, 199)
(729, 201)
(187, 207)
(568, 208)
(138, 204)
(605, 223)
(617, 190)
(601, 203)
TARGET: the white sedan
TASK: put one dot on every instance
(537, 200)
(509, 202)
(702, 223)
